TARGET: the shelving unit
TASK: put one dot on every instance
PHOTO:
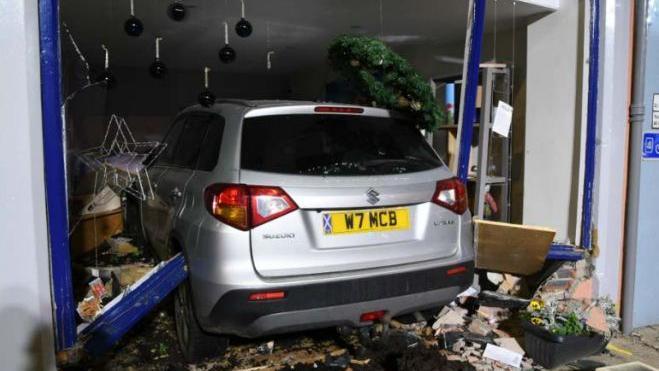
(490, 169)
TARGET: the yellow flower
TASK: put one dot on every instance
(537, 321)
(536, 304)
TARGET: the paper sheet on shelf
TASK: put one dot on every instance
(502, 119)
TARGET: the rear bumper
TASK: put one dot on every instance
(337, 303)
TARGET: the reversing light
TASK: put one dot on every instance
(451, 194)
(247, 206)
(336, 109)
(269, 203)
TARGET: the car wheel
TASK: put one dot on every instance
(195, 344)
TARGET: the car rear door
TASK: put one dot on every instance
(363, 185)
(174, 170)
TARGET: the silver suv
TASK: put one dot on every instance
(300, 215)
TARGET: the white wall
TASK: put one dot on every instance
(609, 195)
(553, 121)
(26, 340)
(551, 4)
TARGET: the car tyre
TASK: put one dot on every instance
(196, 345)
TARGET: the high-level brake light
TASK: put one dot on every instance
(337, 109)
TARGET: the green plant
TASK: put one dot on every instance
(385, 78)
(570, 324)
(562, 322)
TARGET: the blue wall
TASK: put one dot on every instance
(646, 287)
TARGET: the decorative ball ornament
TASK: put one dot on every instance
(243, 27)
(133, 26)
(206, 98)
(106, 78)
(176, 11)
(158, 69)
(227, 54)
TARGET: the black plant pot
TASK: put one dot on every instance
(551, 350)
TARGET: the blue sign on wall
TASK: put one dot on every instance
(650, 145)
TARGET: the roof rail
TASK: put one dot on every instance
(242, 102)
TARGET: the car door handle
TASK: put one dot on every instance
(175, 193)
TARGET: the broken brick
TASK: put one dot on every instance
(584, 290)
(596, 319)
(479, 327)
(449, 318)
(510, 344)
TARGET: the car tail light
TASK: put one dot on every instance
(246, 206)
(451, 194)
(336, 109)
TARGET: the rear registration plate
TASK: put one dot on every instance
(361, 221)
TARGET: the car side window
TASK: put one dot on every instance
(188, 147)
(171, 139)
(210, 148)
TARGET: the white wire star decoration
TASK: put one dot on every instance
(123, 162)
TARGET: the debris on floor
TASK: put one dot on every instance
(480, 330)
(103, 274)
(266, 348)
(122, 246)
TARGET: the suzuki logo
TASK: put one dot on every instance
(372, 196)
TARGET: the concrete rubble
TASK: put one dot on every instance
(464, 335)
(480, 330)
(485, 331)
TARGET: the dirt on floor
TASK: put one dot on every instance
(153, 346)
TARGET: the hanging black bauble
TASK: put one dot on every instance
(227, 54)
(158, 69)
(206, 98)
(243, 28)
(107, 79)
(133, 26)
(176, 12)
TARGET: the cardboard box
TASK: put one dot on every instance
(511, 248)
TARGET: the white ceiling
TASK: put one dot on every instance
(300, 30)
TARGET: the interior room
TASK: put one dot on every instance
(330, 184)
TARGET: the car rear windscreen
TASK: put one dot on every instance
(326, 144)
